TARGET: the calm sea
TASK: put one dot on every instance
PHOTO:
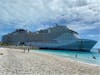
(88, 57)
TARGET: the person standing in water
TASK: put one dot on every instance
(93, 57)
(76, 56)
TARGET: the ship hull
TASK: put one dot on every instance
(78, 45)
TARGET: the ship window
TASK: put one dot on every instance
(49, 30)
(37, 32)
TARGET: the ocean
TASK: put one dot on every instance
(87, 57)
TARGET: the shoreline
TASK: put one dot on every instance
(67, 58)
(60, 56)
(16, 62)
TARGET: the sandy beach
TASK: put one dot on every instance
(16, 62)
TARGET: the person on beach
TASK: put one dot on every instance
(28, 50)
(93, 57)
(24, 50)
(76, 56)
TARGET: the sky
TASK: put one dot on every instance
(82, 16)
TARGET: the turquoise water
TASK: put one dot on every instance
(75, 55)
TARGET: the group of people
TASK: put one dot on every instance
(27, 49)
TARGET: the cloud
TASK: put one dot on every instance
(39, 14)
(92, 36)
(82, 27)
(37, 11)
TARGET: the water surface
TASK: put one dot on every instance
(88, 57)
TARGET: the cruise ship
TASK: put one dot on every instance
(55, 38)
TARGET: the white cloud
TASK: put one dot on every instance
(21, 13)
(82, 27)
(93, 36)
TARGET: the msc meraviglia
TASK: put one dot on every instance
(56, 38)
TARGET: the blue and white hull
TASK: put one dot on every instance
(78, 45)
